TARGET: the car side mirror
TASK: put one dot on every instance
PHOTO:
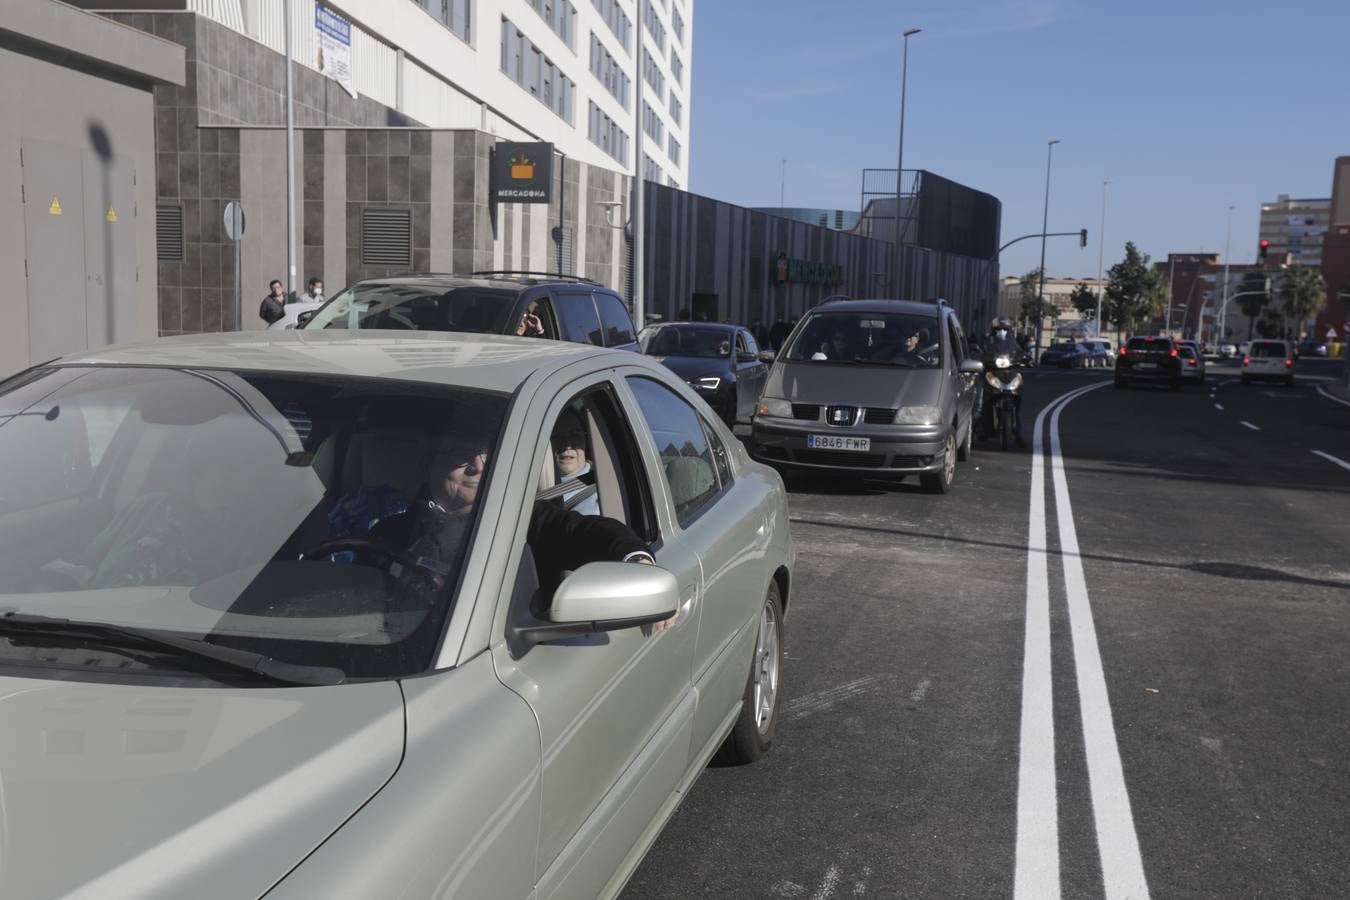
(604, 596)
(746, 356)
(766, 356)
(304, 317)
(972, 367)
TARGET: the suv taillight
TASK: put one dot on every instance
(1246, 360)
(1174, 351)
(1124, 352)
(1289, 363)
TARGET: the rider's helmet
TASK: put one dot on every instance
(1002, 328)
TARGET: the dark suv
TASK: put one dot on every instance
(558, 307)
(1149, 359)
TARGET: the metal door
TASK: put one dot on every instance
(53, 218)
(109, 248)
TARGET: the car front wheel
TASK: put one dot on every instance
(752, 735)
(942, 481)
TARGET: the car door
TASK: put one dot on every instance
(750, 375)
(724, 524)
(577, 318)
(614, 710)
(965, 402)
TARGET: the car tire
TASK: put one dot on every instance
(963, 451)
(752, 735)
(943, 480)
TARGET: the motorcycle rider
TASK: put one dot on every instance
(1001, 342)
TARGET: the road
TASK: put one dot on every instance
(1192, 739)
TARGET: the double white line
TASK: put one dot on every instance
(1037, 874)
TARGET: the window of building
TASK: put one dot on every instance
(561, 17)
(652, 124)
(608, 71)
(654, 25)
(676, 67)
(652, 73)
(455, 15)
(617, 20)
(606, 134)
(527, 66)
(676, 110)
(650, 170)
(673, 150)
(677, 24)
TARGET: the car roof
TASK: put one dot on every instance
(724, 326)
(499, 280)
(879, 306)
(478, 361)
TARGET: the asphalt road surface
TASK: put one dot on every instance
(1157, 705)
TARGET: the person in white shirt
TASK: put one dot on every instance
(569, 453)
(311, 300)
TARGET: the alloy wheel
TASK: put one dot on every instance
(766, 667)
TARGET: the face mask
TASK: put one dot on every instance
(1000, 334)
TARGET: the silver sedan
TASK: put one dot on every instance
(354, 615)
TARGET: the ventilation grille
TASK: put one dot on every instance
(386, 237)
(169, 233)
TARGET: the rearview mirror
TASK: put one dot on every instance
(972, 367)
(766, 356)
(304, 317)
(605, 596)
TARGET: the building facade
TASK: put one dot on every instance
(77, 196)
(833, 219)
(1295, 228)
(562, 71)
(1058, 292)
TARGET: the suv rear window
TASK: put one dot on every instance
(1150, 345)
(1267, 350)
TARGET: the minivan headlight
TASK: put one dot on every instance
(918, 415)
(776, 408)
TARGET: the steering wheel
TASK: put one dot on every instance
(379, 552)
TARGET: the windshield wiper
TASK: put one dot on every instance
(241, 660)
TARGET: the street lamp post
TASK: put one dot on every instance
(290, 154)
(1045, 227)
(1223, 310)
(900, 169)
(782, 186)
(1101, 247)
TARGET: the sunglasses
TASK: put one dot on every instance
(458, 457)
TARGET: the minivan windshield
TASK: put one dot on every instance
(907, 340)
(692, 341)
(408, 305)
(320, 521)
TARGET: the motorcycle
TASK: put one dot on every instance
(1003, 386)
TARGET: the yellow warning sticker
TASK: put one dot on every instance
(55, 208)
(112, 215)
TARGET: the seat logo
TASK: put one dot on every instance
(840, 416)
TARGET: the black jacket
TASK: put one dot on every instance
(271, 309)
(565, 540)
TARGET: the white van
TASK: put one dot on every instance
(1272, 360)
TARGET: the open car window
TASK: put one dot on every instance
(317, 520)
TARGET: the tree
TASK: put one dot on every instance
(1132, 291)
(1303, 294)
(1027, 293)
(1084, 300)
(1252, 297)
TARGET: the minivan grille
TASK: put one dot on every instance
(879, 416)
(805, 411)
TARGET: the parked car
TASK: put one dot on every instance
(1269, 360)
(1066, 355)
(1192, 363)
(871, 387)
(1100, 354)
(1197, 353)
(556, 307)
(721, 362)
(1149, 359)
(1312, 348)
(286, 612)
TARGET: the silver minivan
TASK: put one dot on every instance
(871, 387)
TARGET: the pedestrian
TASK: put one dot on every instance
(273, 307)
(778, 334)
(309, 301)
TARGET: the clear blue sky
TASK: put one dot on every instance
(1186, 106)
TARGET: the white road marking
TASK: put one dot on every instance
(815, 702)
(1219, 407)
(1118, 844)
(1037, 868)
(921, 690)
(828, 885)
(1246, 424)
(860, 887)
(1327, 456)
(1333, 398)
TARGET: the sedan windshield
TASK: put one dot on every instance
(868, 338)
(417, 306)
(316, 521)
(687, 341)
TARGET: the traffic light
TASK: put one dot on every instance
(1082, 237)
(1265, 247)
